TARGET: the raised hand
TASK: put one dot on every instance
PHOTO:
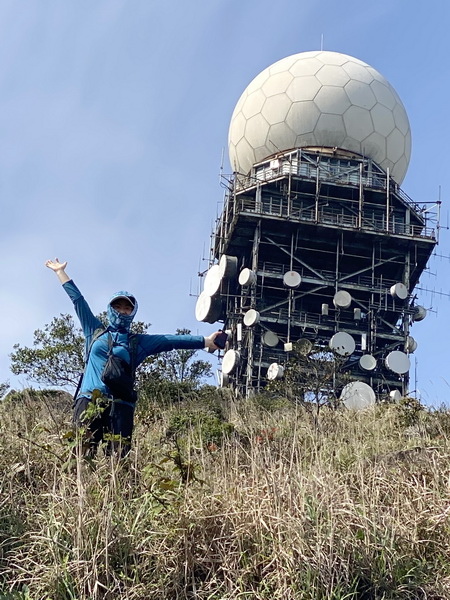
(55, 265)
(58, 268)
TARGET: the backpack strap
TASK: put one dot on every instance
(132, 348)
(97, 333)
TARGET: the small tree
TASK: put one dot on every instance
(314, 376)
(179, 366)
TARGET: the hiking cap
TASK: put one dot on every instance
(129, 299)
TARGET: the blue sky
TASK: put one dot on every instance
(113, 118)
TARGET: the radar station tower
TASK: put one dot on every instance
(317, 245)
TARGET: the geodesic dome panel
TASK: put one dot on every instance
(323, 99)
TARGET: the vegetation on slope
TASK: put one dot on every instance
(223, 499)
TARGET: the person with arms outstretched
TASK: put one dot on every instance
(129, 350)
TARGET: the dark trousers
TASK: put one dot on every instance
(114, 418)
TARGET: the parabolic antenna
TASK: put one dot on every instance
(357, 395)
(367, 362)
(397, 362)
(212, 281)
(292, 279)
(230, 361)
(275, 371)
(304, 346)
(270, 339)
(395, 396)
(224, 379)
(419, 313)
(228, 266)
(320, 99)
(208, 308)
(411, 344)
(251, 317)
(342, 343)
(247, 277)
(399, 290)
(342, 299)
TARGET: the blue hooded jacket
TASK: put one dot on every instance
(118, 327)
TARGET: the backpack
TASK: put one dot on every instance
(114, 366)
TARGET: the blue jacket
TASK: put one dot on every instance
(119, 327)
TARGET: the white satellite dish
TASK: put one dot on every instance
(419, 314)
(275, 371)
(397, 362)
(304, 346)
(342, 343)
(357, 395)
(224, 379)
(399, 290)
(292, 279)
(270, 339)
(230, 361)
(247, 277)
(367, 362)
(228, 266)
(411, 344)
(342, 299)
(251, 317)
(395, 396)
(212, 281)
(208, 309)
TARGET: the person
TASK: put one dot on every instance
(116, 417)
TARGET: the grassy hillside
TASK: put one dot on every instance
(224, 500)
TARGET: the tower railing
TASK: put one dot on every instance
(236, 205)
(352, 171)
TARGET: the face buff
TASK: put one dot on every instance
(117, 320)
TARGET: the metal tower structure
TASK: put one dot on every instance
(319, 245)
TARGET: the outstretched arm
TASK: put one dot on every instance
(59, 269)
(154, 344)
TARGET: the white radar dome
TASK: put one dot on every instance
(320, 99)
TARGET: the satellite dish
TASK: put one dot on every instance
(357, 395)
(304, 346)
(419, 313)
(342, 343)
(228, 266)
(224, 379)
(270, 339)
(292, 279)
(247, 277)
(342, 299)
(275, 371)
(230, 361)
(411, 344)
(208, 309)
(212, 281)
(395, 396)
(367, 362)
(399, 290)
(251, 317)
(397, 362)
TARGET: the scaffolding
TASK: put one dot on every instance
(342, 225)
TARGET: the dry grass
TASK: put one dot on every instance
(354, 506)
